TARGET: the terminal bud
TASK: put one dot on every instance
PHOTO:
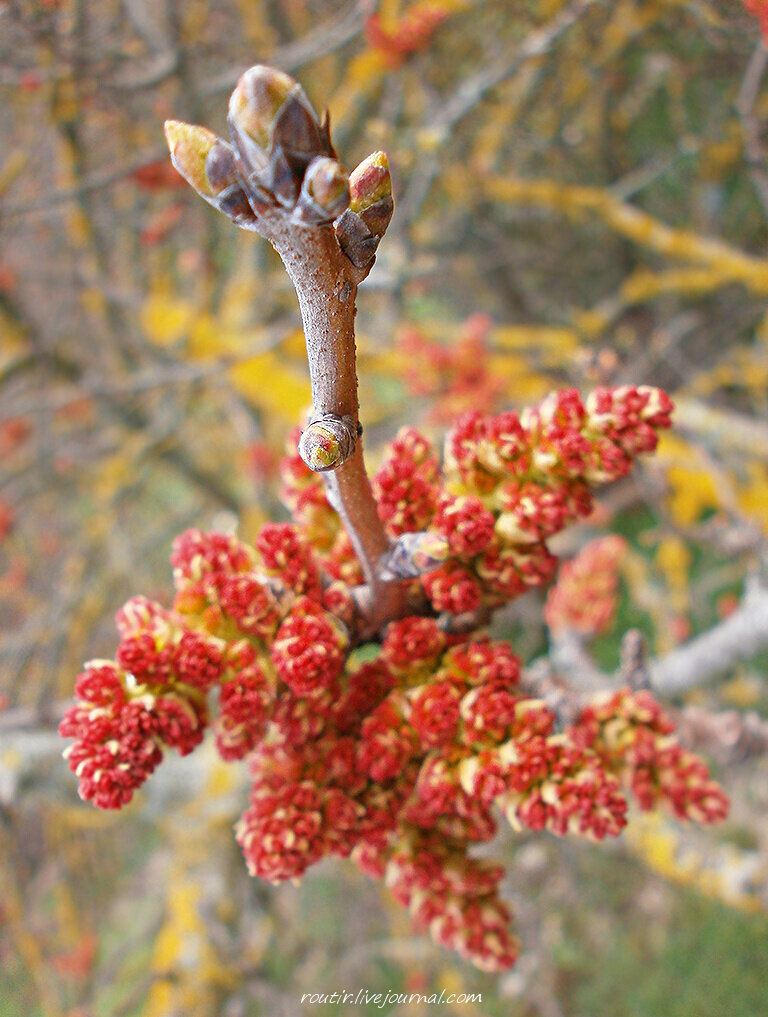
(276, 134)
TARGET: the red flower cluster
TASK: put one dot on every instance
(458, 376)
(409, 34)
(631, 735)
(511, 482)
(396, 754)
(152, 697)
(759, 8)
(454, 897)
(584, 597)
(407, 485)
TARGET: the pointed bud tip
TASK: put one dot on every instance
(189, 146)
(172, 130)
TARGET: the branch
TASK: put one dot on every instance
(728, 262)
(727, 736)
(750, 123)
(326, 285)
(321, 41)
(443, 119)
(738, 637)
(280, 178)
(726, 430)
(568, 683)
(94, 182)
(698, 662)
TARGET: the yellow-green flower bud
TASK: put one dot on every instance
(276, 135)
(208, 164)
(370, 182)
(189, 146)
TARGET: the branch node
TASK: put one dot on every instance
(413, 555)
(634, 665)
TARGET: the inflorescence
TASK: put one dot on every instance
(395, 744)
(398, 752)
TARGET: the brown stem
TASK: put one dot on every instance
(326, 285)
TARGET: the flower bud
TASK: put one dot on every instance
(189, 146)
(365, 222)
(276, 134)
(208, 164)
(256, 101)
(370, 183)
(324, 192)
(327, 443)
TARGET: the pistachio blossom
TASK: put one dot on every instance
(585, 595)
(343, 654)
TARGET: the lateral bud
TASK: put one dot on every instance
(207, 163)
(365, 222)
(324, 192)
(327, 442)
(413, 555)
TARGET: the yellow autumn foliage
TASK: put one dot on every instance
(182, 949)
(673, 560)
(266, 382)
(752, 494)
(693, 490)
(646, 231)
(165, 317)
(718, 870)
